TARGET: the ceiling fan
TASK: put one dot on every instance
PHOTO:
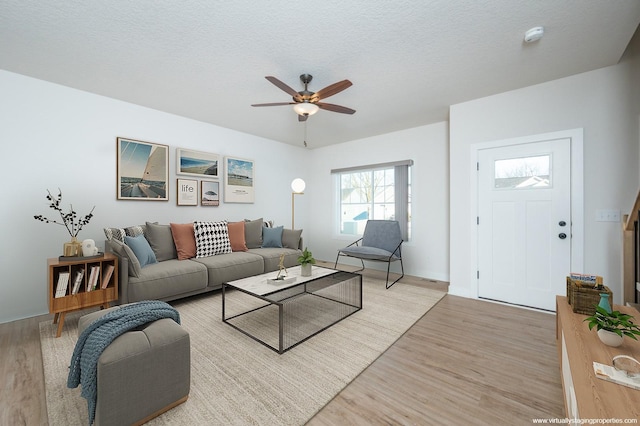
(307, 103)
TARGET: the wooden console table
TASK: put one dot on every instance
(585, 395)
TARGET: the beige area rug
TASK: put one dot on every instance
(237, 381)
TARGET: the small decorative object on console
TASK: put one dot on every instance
(614, 322)
(89, 248)
(70, 220)
(583, 294)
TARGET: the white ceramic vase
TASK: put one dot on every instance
(610, 338)
(305, 270)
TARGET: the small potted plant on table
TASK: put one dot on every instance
(306, 260)
(613, 326)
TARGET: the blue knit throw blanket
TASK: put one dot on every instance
(100, 333)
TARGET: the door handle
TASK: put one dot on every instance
(562, 235)
(562, 223)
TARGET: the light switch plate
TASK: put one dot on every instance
(607, 215)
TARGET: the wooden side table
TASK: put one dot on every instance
(95, 279)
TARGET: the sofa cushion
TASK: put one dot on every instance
(253, 233)
(212, 238)
(232, 266)
(141, 249)
(271, 257)
(134, 231)
(291, 238)
(272, 237)
(236, 236)
(122, 250)
(160, 239)
(167, 279)
(120, 233)
(184, 239)
(115, 234)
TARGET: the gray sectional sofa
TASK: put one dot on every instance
(176, 274)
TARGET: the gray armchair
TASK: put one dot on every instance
(381, 242)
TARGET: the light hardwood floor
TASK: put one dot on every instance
(465, 362)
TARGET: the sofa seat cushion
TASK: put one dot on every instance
(271, 257)
(170, 277)
(223, 268)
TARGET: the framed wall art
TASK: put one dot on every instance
(187, 192)
(239, 180)
(197, 163)
(142, 170)
(209, 193)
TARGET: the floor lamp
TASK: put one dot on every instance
(297, 188)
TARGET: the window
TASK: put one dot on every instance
(522, 173)
(381, 191)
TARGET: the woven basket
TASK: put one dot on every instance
(584, 297)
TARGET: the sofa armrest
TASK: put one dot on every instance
(123, 275)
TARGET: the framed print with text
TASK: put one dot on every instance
(197, 163)
(142, 170)
(209, 193)
(239, 180)
(187, 192)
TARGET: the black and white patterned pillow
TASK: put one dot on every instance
(119, 233)
(115, 234)
(211, 238)
(134, 231)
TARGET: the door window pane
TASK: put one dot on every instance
(523, 173)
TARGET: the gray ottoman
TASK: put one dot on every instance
(142, 373)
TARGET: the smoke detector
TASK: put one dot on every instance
(534, 34)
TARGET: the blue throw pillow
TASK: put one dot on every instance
(141, 248)
(272, 237)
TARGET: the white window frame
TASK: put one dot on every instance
(402, 193)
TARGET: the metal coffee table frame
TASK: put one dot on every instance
(337, 293)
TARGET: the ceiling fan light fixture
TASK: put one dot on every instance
(306, 108)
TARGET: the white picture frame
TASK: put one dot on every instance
(197, 163)
(187, 192)
(239, 180)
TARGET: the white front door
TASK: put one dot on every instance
(524, 222)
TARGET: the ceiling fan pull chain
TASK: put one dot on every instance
(305, 134)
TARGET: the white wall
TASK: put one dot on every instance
(53, 136)
(602, 103)
(427, 254)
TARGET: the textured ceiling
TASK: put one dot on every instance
(408, 59)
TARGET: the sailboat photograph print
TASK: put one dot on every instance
(143, 170)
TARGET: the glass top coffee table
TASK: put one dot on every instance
(281, 316)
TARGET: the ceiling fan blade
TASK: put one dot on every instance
(302, 117)
(335, 108)
(274, 104)
(330, 90)
(283, 86)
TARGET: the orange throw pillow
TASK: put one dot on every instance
(236, 236)
(185, 240)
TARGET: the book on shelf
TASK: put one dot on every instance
(94, 282)
(77, 280)
(63, 283)
(93, 278)
(108, 271)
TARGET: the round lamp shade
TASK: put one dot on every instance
(298, 185)
(306, 108)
